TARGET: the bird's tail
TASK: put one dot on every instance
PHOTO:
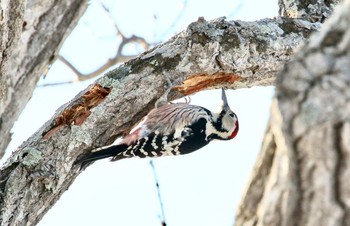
(114, 151)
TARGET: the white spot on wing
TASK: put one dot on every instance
(143, 145)
(154, 144)
(164, 140)
(176, 150)
(172, 148)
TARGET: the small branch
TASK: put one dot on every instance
(236, 9)
(57, 83)
(118, 58)
(175, 21)
(177, 18)
(109, 63)
(132, 39)
(110, 17)
(70, 66)
(158, 191)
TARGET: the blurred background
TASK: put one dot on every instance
(202, 188)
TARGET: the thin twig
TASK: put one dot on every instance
(57, 83)
(119, 57)
(109, 63)
(71, 66)
(236, 9)
(163, 222)
(111, 18)
(176, 20)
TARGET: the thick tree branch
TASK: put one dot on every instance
(207, 55)
(311, 10)
(30, 36)
(307, 178)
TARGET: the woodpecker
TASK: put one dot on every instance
(172, 129)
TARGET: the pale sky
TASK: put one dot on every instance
(202, 188)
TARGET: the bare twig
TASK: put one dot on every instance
(109, 63)
(236, 9)
(110, 17)
(118, 58)
(176, 20)
(57, 83)
(163, 222)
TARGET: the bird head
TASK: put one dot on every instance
(227, 120)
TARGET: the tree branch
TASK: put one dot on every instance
(162, 217)
(207, 55)
(315, 11)
(118, 58)
(110, 17)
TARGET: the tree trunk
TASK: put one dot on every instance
(31, 34)
(301, 176)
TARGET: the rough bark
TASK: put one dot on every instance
(311, 10)
(301, 176)
(31, 33)
(207, 55)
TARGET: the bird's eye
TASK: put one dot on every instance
(232, 114)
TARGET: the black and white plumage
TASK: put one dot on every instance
(172, 129)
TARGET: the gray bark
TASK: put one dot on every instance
(315, 11)
(302, 173)
(31, 33)
(207, 55)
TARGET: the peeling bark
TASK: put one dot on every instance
(207, 55)
(31, 33)
(307, 183)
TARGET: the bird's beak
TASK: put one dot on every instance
(224, 101)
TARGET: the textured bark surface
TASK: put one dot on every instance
(207, 55)
(31, 33)
(301, 176)
(311, 10)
